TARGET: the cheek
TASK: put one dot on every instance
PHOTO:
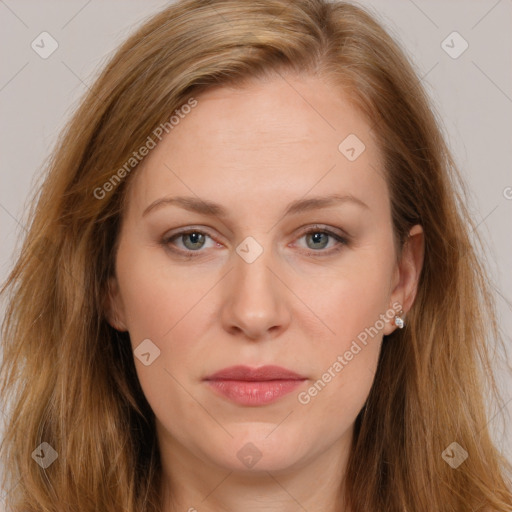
(155, 296)
(345, 362)
(354, 306)
(350, 301)
(162, 306)
(170, 307)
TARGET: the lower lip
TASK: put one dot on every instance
(254, 393)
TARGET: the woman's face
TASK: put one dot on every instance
(248, 286)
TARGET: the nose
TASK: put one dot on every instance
(256, 304)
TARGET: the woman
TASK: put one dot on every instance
(248, 283)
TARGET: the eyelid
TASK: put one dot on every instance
(342, 239)
(167, 239)
(337, 232)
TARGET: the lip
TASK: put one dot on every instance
(263, 373)
(254, 386)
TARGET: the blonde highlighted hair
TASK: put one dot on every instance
(68, 379)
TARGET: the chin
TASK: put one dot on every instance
(263, 452)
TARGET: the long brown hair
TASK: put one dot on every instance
(68, 379)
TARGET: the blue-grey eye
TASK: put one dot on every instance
(319, 239)
(196, 240)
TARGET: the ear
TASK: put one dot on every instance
(113, 306)
(407, 273)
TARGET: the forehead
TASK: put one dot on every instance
(276, 138)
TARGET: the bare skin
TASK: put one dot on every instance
(300, 304)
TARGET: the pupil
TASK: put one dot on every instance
(317, 237)
(194, 237)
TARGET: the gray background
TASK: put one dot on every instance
(472, 94)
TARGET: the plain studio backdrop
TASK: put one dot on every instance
(462, 51)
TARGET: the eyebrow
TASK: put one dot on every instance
(205, 207)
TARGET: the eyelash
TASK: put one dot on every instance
(342, 241)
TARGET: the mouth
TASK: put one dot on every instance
(254, 386)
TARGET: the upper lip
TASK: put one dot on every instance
(249, 374)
